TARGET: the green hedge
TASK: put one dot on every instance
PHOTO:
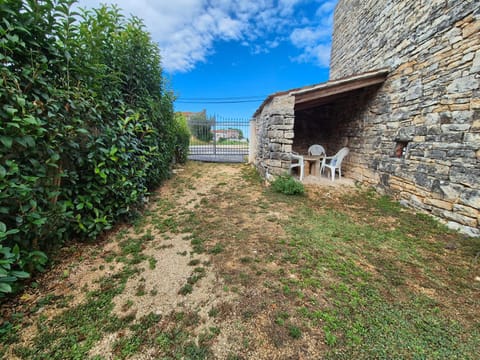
(87, 126)
(183, 135)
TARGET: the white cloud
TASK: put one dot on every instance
(325, 13)
(264, 47)
(318, 54)
(186, 30)
(314, 38)
(272, 44)
(309, 36)
(287, 6)
(260, 49)
(326, 8)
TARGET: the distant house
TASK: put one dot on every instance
(227, 134)
(404, 96)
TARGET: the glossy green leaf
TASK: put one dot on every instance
(5, 288)
(20, 274)
(6, 141)
(13, 38)
(21, 101)
(10, 110)
(31, 120)
(26, 141)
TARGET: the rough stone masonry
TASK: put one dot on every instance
(429, 105)
(430, 101)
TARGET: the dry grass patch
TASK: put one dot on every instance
(221, 267)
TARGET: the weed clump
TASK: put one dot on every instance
(287, 185)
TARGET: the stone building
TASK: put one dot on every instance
(404, 96)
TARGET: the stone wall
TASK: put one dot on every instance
(274, 135)
(430, 101)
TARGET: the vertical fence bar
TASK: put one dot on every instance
(214, 135)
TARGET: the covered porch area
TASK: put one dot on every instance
(334, 115)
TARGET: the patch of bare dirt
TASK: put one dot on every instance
(243, 294)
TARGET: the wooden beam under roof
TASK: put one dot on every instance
(331, 90)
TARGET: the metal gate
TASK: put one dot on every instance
(218, 139)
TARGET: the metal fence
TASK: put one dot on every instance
(219, 139)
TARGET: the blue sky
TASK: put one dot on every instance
(235, 50)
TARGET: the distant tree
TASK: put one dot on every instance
(182, 140)
(240, 132)
(201, 127)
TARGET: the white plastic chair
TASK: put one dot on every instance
(316, 150)
(334, 162)
(297, 161)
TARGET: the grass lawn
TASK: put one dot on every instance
(325, 275)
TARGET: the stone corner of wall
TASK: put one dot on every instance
(464, 230)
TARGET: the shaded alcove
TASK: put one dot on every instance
(333, 123)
